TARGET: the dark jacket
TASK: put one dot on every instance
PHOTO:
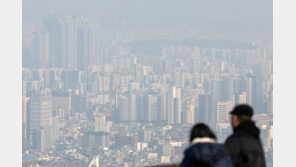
(244, 146)
(206, 155)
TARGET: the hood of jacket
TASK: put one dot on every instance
(248, 127)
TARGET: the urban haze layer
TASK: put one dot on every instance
(110, 92)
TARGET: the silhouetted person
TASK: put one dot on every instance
(204, 150)
(244, 145)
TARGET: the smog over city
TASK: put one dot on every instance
(121, 83)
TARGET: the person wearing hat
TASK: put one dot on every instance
(244, 145)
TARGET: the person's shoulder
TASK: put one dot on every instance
(238, 135)
(213, 147)
(200, 149)
(235, 138)
(206, 144)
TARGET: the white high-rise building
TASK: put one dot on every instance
(25, 118)
(177, 101)
(170, 108)
(243, 98)
(223, 109)
(40, 122)
(177, 110)
(40, 112)
(239, 98)
(101, 125)
(133, 109)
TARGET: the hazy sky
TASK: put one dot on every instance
(253, 17)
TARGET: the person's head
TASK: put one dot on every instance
(241, 113)
(201, 130)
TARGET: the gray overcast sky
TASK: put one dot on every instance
(222, 16)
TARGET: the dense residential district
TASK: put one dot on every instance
(122, 96)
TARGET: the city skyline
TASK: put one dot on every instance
(130, 94)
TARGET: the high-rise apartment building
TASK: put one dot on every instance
(63, 39)
(239, 98)
(61, 104)
(26, 117)
(55, 128)
(40, 52)
(41, 138)
(87, 46)
(153, 108)
(188, 115)
(25, 122)
(40, 112)
(242, 98)
(134, 110)
(223, 109)
(205, 111)
(124, 107)
(177, 102)
(223, 89)
(170, 107)
(163, 106)
(101, 125)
